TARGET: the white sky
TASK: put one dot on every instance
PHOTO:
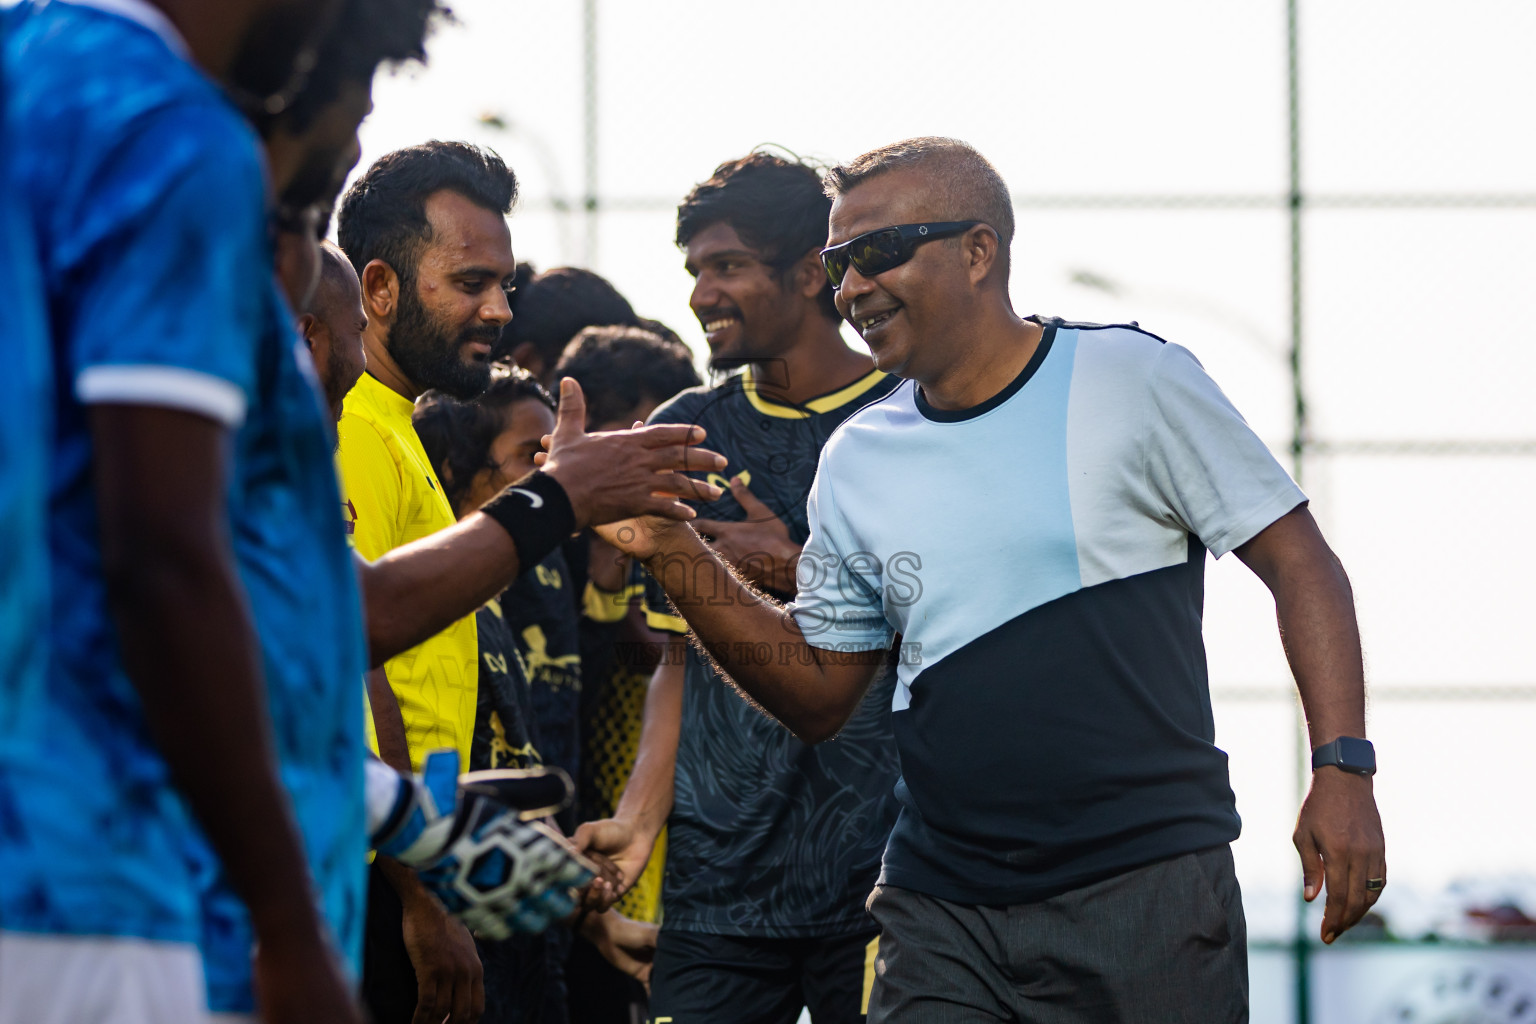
(1419, 323)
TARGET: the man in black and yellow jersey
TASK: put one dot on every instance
(772, 845)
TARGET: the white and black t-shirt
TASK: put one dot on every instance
(1042, 556)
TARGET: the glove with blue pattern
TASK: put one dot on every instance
(475, 850)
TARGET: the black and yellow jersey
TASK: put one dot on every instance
(769, 837)
(539, 608)
(505, 733)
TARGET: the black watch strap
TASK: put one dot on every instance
(1347, 754)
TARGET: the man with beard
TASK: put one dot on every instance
(144, 197)
(772, 844)
(425, 229)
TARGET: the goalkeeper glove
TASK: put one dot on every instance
(467, 838)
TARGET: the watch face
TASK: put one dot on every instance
(1356, 755)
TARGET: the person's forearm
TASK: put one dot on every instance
(389, 726)
(388, 722)
(417, 590)
(1315, 607)
(735, 624)
(1316, 610)
(413, 895)
(647, 798)
(189, 647)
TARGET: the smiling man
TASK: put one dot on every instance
(1062, 851)
(772, 843)
(426, 230)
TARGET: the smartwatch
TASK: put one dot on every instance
(1347, 754)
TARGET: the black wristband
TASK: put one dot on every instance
(537, 515)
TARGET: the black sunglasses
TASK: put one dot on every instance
(875, 252)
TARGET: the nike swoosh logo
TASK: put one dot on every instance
(533, 499)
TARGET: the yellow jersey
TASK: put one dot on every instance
(391, 496)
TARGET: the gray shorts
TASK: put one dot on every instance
(1163, 944)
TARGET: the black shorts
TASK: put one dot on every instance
(700, 978)
(600, 993)
(1164, 942)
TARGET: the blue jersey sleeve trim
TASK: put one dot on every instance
(171, 387)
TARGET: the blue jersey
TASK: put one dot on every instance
(297, 568)
(148, 202)
(145, 193)
(23, 459)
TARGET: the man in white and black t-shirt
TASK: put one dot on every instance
(1030, 514)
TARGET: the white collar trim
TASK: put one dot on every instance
(141, 12)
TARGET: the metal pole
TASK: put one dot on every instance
(1294, 204)
(1301, 943)
(589, 130)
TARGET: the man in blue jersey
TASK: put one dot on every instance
(148, 209)
(289, 543)
(1031, 515)
(146, 198)
(298, 569)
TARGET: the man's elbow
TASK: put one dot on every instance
(817, 726)
(380, 611)
(810, 724)
(812, 734)
(386, 636)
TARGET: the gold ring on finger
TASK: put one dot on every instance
(1375, 884)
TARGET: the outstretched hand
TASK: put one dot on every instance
(621, 474)
(758, 546)
(621, 842)
(1339, 838)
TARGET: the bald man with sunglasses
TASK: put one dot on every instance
(1062, 851)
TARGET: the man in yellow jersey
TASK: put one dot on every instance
(426, 229)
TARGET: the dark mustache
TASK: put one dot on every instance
(488, 335)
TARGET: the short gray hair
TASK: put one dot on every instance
(966, 184)
(335, 270)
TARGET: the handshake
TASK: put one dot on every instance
(476, 843)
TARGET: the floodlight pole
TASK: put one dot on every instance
(1301, 943)
(589, 131)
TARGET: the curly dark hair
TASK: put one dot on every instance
(776, 205)
(549, 308)
(365, 34)
(457, 435)
(384, 213)
(619, 367)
